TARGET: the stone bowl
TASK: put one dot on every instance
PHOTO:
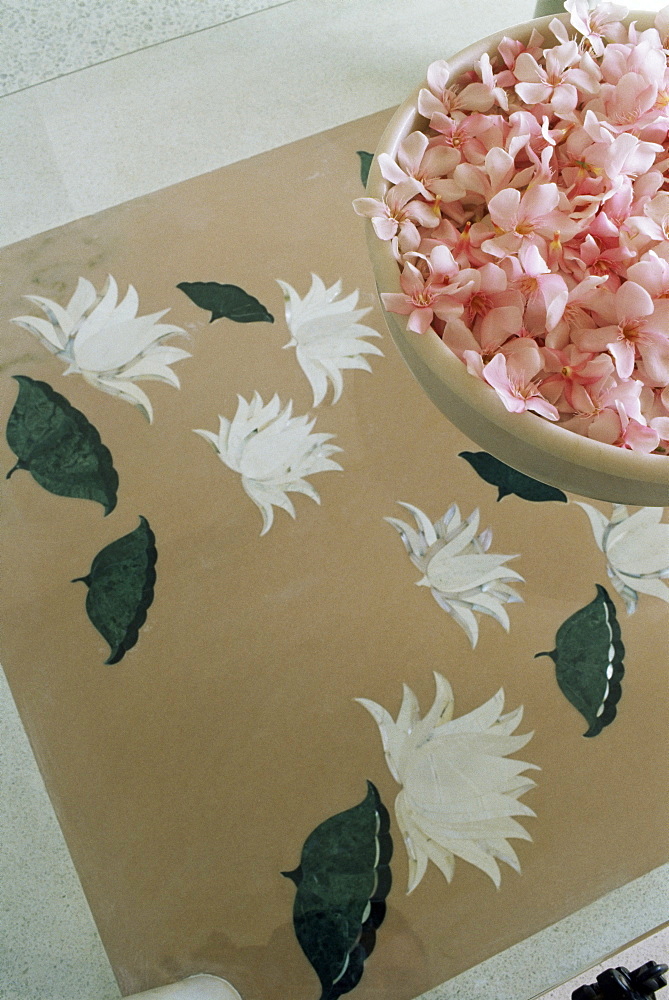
(525, 441)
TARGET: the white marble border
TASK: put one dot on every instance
(575, 943)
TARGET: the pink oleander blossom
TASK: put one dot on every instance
(472, 135)
(635, 332)
(652, 273)
(494, 330)
(440, 98)
(423, 298)
(595, 25)
(398, 215)
(425, 164)
(512, 379)
(655, 221)
(528, 218)
(598, 408)
(559, 83)
(546, 293)
(569, 368)
(530, 222)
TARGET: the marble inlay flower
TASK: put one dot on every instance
(106, 342)
(463, 577)
(273, 452)
(459, 788)
(636, 547)
(327, 335)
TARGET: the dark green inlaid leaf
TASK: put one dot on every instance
(588, 659)
(507, 480)
(226, 302)
(342, 883)
(120, 588)
(59, 446)
(365, 164)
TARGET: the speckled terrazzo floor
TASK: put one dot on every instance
(654, 948)
(71, 146)
(50, 38)
(49, 946)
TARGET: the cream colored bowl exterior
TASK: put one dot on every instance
(522, 440)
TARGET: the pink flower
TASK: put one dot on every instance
(521, 218)
(490, 83)
(568, 368)
(655, 221)
(592, 258)
(595, 25)
(398, 214)
(494, 329)
(510, 48)
(635, 434)
(644, 57)
(464, 244)
(617, 155)
(662, 25)
(496, 173)
(511, 378)
(627, 103)
(598, 410)
(475, 96)
(473, 134)
(546, 293)
(559, 83)
(426, 164)
(422, 298)
(492, 314)
(652, 273)
(575, 316)
(655, 407)
(635, 332)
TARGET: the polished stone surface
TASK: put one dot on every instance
(89, 139)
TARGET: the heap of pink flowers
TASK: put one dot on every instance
(531, 224)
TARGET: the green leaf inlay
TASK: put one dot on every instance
(508, 480)
(342, 883)
(226, 302)
(588, 659)
(120, 588)
(365, 164)
(59, 446)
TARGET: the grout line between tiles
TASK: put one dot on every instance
(145, 48)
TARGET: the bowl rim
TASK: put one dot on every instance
(432, 354)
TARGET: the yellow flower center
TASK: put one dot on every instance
(528, 285)
(630, 330)
(479, 304)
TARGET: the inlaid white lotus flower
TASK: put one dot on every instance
(327, 335)
(273, 452)
(636, 547)
(459, 788)
(106, 342)
(462, 576)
